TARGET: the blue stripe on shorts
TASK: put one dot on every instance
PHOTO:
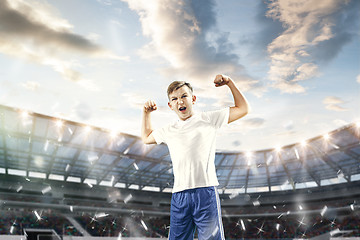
(196, 208)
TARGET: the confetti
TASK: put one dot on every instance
(128, 198)
(89, 184)
(144, 225)
(256, 203)
(19, 188)
(340, 174)
(300, 207)
(67, 168)
(127, 150)
(101, 215)
(136, 166)
(352, 207)
(119, 237)
(37, 215)
(93, 158)
(277, 226)
(269, 159)
(46, 145)
(242, 224)
(323, 210)
(333, 232)
(71, 208)
(334, 145)
(12, 229)
(215, 231)
(233, 195)
(46, 190)
(297, 154)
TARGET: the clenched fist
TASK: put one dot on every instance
(150, 106)
(221, 80)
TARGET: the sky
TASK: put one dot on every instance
(98, 61)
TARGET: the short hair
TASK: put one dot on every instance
(175, 85)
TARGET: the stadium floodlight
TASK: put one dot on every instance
(59, 123)
(87, 129)
(249, 156)
(24, 114)
(113, 134)
(326, 137)
(303, 143)
(278, 149)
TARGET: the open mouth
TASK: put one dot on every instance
(182, 109)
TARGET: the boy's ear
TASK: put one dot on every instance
(193, 99)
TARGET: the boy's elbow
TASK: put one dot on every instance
(247, 110)
(148, 139)
(145, 140)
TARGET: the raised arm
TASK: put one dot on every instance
(241, 107)
(146, 128)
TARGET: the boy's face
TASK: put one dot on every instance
(181, 101)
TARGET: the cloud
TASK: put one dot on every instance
(333, 104)
(83, 110)
(340, 122)
(31, 85)
(33, 31)
(289, 125)
(358, 78)
(253, 123)
(314, 32)
(243, 126)
(267, 30)
(185, 34)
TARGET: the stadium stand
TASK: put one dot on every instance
(83, 184)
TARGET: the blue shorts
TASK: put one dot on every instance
(196, 208)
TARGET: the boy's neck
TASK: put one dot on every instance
(185, 119)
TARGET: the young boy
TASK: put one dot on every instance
(191, 142)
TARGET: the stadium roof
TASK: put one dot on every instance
(39, 146)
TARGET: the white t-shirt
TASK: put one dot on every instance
(191, 145)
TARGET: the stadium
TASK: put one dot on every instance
(163, 119)
(82, 182)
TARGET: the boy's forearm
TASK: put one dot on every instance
(146, 128)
